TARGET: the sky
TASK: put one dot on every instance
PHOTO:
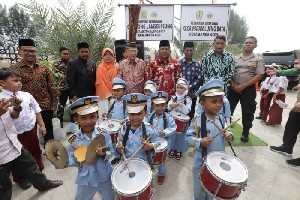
(274, 23)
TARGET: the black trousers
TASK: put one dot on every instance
(193, 108)
(247, 100)
(63, 98)
(47, 117)
(27, 166)
(292, 129)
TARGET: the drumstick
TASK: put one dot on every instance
(131, 174)
(224, 129)
(136, 152)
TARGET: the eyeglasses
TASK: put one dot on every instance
(27, 51)
(164, 49)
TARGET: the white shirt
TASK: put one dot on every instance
(266, 84)
(10, 147)
(280, 82)
(26, 120)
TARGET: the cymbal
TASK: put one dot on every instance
(56, 154)
(80, 153)
(91, 155)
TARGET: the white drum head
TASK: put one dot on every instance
(227, 167)
(110, 125)
(163, 144)
(123, 184)
(179, 116)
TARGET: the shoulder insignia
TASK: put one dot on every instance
(99, 129)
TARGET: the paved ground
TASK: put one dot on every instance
(269, 176)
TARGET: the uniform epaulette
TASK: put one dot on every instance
(194, 118)
(98, 129)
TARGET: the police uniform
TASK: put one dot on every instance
(163, 123)
(150, 85)
(135, 103)
(178, 142)
(193, 137)
(97, 177)
(245, 69)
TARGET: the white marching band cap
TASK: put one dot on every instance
(150, 85)
(85, 105)
(136, 102)
(119, 83)
(214, 87)
(159, 97)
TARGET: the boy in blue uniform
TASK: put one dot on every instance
(202, 130)
(181, 103)
(163, 123)
(149, 88)
(225, 111)
(96, 177)
(117, 109)
(135, 132)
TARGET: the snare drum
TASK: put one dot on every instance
(223, 175)
(161, 152)
(111, 126)
(181, 120)
(138, 187)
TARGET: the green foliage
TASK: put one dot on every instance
(67, 24)
(238, 28)
(56, 74)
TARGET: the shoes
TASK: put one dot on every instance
(294, 162)
(24, 184)
(51, 185)
(61, 124)
(282, 149)
(115, 161)
(259, 117)
(172, 154)
(160, 180)
(244, 138)
(270, 124)
(178, 155)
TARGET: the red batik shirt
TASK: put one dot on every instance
(164, 74)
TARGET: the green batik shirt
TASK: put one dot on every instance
(221, 66)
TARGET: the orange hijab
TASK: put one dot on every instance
(106, 72)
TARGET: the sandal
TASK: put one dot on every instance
(178, 155)
(172, 154)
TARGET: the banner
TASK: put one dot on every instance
(155, 23)
(203, 23)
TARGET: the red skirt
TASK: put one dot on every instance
(275, 114)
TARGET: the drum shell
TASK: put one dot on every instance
(144, 195)
(181, 126)
(160, 157)
(114, 137)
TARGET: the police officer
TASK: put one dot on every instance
(249, 68)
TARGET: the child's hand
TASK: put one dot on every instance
(228, 137)
(173, 105)
(4, 104)
(123, 121)
(43, 130)
(101, 151)
(120, 148)
(296, 87)
(205, 142)
(147, 146)
(180, 105)
(17, 101)
(161, 133)
(104, 115)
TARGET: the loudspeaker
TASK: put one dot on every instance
(121, 44)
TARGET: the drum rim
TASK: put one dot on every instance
(217, 177)
(162, 150)
(110, 132)
(174, 117)
(133, 194)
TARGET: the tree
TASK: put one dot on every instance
(67, 25)
(238, 28)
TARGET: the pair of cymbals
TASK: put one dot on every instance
(91, 155)
(56, 154)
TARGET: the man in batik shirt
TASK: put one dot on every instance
(133, 70)
(164, 71)
(217, 62)
(191, 72)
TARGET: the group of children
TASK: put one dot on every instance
(272, 88)
(144, 123)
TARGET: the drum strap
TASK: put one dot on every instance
(164, 118)
(125, 138)
(113, 105)
(203, 132)
(175, 99)
(147, 152)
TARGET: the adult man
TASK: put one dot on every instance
(65, 93)
(249, 68)
(37, 80)
(81, 73)
(133, 70)
(164, 71)
(14, 157)
(292, 127)
(191, 72)
(217, 62)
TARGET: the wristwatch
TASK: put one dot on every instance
(18, 109)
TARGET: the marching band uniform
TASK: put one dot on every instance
(193, 136)
(178, 142)
(135, 103)
(97, 177)
(164, 123)
(279, 88)
(150, 85)
(25, 126)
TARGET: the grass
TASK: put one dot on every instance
(237, 130)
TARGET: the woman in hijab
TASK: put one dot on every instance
(106, 72)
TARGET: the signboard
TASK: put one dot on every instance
(155, 23)
(203, 23)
